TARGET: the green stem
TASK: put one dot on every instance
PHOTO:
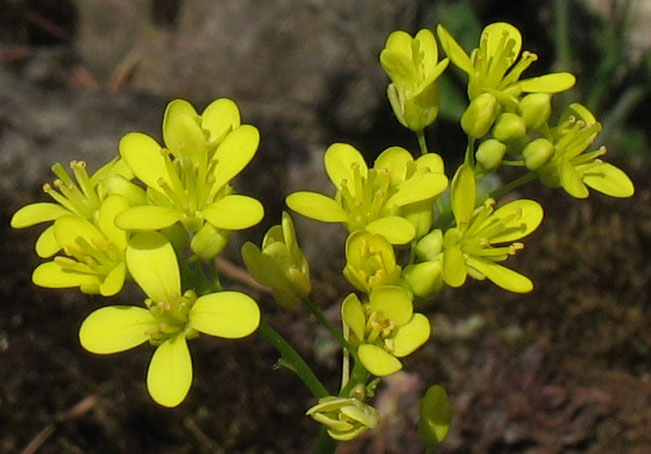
(293, 361)
(499, 192)
(311, 307)
(326, 445)
(422, 143)
(470, 153)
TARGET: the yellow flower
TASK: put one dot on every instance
(385, 329)
(280, 264)
(345, 418)
(494, 67)
(413, 66)
(169, 319)
(575, 169)
(370, 261)
(373, 199)
(474, 247)
(80, 197)
(95, 259)
(188, 182)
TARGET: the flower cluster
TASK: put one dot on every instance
(134, 218)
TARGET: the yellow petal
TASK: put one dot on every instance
(46, 244)
(571, 180)
(454, 267)
(51, 275)
(340, 159)
(181, 131)
(549, 83)
(170, 372)
(316, 206)
(395, 159)
(431, 161)
(114, 281)
(430, 51)
(110, 208)
(68, 229)
(225, 314)
(463, 195)
(377, 361)
(411, 336)
(501, 276)
(394, 229)
(454, 51)
(35, 213)
(114, 329)
(146, 217)
(353, 314)
(400, 42)
(494, 33)
(234, 212)
(152, 263)
(143, 154)
(419, 187)
(220, 117)
(391, 303)
(531, 214)
(610, 180)
(235, 152)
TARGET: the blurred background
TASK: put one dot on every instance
(565, 369)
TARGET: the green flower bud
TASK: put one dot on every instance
(478, 118)
(535, 108)
(490, 153)
(435, 416)
(209, 241)
(430, 245)
(509, 126)
(425, 279)
(537, 153)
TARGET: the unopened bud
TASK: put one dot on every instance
(478, 118)
(535, 108)
(490, 153)
(537, 153)
(430, 245)
(509, 127)
(425, 279)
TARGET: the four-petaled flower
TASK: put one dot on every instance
(170, 318)
(374, 199)
(370, 261)
(345, 417)
(384, 329)
(475, 245)
(492, 67)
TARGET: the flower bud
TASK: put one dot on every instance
(435, 416)
(209, 241)
(480, 115)
(345, 418)
(425, 279)
(414, 112)
(537, 153)
(370, 261)
(535, 108)
(490, 153)
(430, 245)
(509, 127)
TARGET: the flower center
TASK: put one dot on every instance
(172, 317)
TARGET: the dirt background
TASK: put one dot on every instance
(565, 369)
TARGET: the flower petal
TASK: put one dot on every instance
(454, 267)
(234, 212)
(392, 303)
(234, 153)
(69, 229)
(395, 159)
(35, 213)
(352, 314)
(610, 180)
(114, 329)
(418, 188)
(549, 83)
(411, 336)
(316, 206)
(225, 314)
(46, 244)
(181, 131)
(170, 372)
(146, 217)
(114, 280)
(340, 159)
(395, 229)
(152, 263)
(143, 154)
(110, 208)
(495, 33)
(571, 180)
(51, 275)
(378, 361)
(530, 215)
(454, 51)
(501, 276)
(220, 117)
(463, 195)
